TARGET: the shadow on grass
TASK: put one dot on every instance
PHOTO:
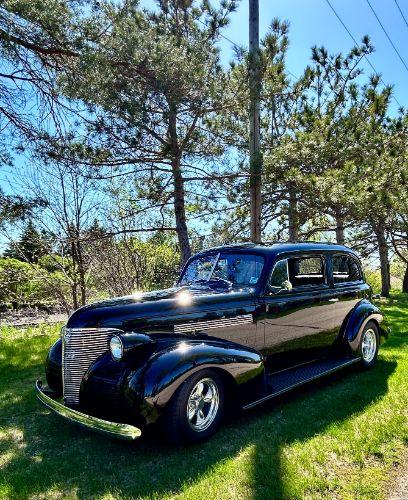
(43, 453)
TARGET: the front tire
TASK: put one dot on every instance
(369, 342)
(195, 411)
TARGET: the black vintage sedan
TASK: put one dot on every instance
(243, 324)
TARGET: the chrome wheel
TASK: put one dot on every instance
(369, 345)
(203, 404)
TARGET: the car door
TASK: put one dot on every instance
(297, 311)
(348, 287)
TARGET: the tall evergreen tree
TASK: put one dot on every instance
(31, 245)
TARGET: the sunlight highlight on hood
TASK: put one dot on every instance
(137, 295)
(184, 298)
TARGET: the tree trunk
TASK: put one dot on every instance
(74, 285)
(339, 228)
(74, 296)
(293, 215)
(81, 272)
(178, 190)
(180, 211)
(384, 260)
(405, 280)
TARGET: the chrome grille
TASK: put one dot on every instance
(80, 348)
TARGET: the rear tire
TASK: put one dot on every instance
(368, 347)
(196, 409)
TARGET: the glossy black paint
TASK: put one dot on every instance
(137, 345)
(53, 367)
(102, 387)
(246, 334)
(158, 312)
(142, 385)
(360, 315)
(166, 370)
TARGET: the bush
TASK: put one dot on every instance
(373, 277)
(120, 268)
(20, 284)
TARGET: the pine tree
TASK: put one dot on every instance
(32, 245)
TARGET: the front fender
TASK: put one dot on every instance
(363, 312)
(166, 370)
(53, 367)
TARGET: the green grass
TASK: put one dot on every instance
(338, 438)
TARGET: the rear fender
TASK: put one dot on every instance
(364, 312)
(166, 370)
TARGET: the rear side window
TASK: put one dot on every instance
(346, 269)
(306, 271)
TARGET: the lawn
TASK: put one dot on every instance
(341, 437)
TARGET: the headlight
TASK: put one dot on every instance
(116, 348)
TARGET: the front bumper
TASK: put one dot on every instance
(114, 429)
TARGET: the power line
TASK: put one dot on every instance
(230, 41)
(355, 41)
(349, 32)
(402, 14)
(387, 35)
(222, 36)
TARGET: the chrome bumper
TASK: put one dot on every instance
(114, 429)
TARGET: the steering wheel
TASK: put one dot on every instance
(226, 283)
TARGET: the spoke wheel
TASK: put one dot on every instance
(369, 345)
(196, 409)
(203, 404)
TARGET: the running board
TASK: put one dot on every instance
(284, 381)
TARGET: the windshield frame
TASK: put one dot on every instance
(217, 255)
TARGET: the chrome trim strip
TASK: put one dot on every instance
(114, 429)
(213, 323)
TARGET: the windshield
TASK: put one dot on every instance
(226, 268)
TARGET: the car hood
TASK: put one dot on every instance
(159, 310)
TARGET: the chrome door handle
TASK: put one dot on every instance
(334, 300)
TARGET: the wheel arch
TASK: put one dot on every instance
(230, 385)
(231, 388)
(364, 312)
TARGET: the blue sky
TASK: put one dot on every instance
(312, 22)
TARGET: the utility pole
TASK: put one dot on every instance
(255, 159)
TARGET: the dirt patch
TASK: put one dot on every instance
(31, 318)
(399, 487)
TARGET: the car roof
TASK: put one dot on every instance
(275, 248)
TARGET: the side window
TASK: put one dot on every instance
(296, 272)
(346, 269)
(306, 271)
(279, 277)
